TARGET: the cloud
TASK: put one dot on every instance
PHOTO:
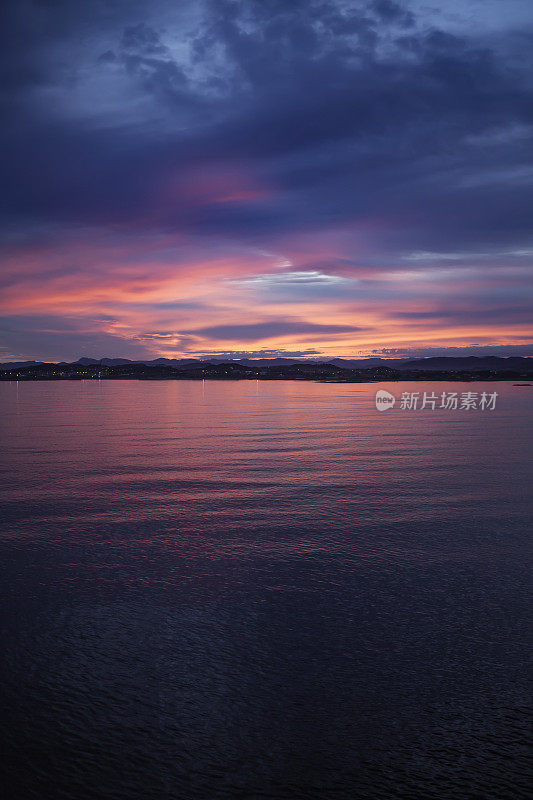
(429, 258)
(272, 353)
(157, 335)
(154, 153)
(257, 331)
(341, 128)
(294, 278)
(63, 338)
(485, 312)
(524, 349)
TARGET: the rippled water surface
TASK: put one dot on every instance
(262, 590)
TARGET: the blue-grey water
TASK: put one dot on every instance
(263, 590)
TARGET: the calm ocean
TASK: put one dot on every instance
(263, 590)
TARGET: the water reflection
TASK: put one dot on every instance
(262, 589)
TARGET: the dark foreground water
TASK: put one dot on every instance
(262, 590)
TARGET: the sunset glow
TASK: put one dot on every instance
(186, 195)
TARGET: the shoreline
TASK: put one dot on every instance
(324, 372)
(402, 379)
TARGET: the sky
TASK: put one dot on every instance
(231, 178)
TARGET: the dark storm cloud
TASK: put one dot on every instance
(348, 111)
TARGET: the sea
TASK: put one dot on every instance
(264, 590)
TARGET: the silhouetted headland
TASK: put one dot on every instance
(337, 370)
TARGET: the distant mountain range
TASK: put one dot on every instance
(437, 363)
